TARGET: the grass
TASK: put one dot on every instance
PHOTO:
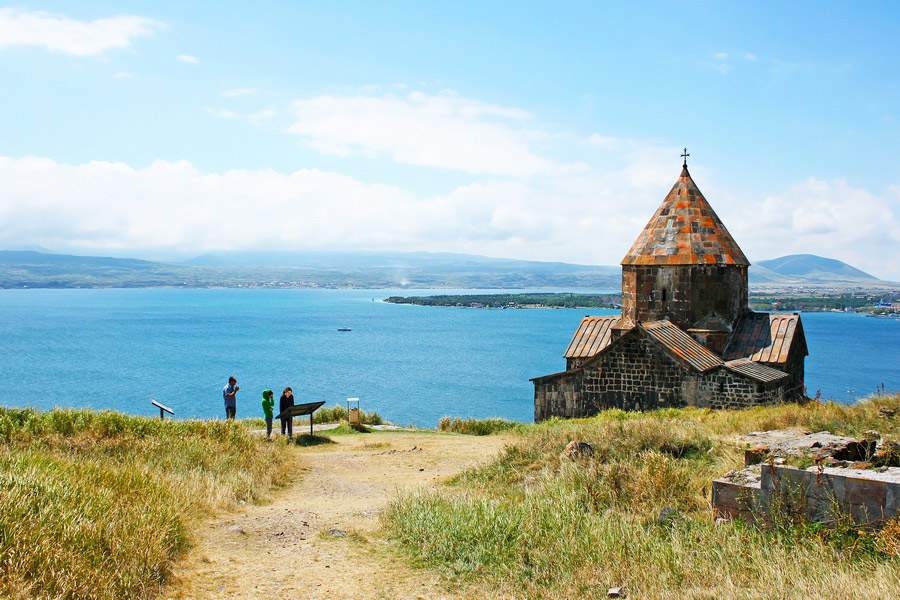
(532, 524)
(306, 440)
(97, 505)
(327, 414)
(472, 426)
(338, 413)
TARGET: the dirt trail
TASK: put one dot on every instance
(317, 538)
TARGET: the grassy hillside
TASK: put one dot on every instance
(531, 524)
(96, 505)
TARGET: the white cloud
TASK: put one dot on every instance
(589, 217)
(239, 92)
(187, 58)
(720, 55)
(123, 75)
(443, 130)
(829, 218)
(60, 33)
(267, 113)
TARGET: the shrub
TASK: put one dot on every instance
(338, 413)
(472, 426)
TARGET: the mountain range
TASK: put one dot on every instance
(32, 268)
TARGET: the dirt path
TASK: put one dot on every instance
(318, 538)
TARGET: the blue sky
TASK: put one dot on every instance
(528, 130)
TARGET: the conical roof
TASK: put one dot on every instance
(685, 230)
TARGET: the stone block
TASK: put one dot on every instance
(866, 492)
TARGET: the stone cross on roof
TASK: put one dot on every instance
(684, 155)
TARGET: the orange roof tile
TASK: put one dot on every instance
(679, 342)
(686, 230)
(765, 337)
(592, 336)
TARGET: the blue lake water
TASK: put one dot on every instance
(119, 348)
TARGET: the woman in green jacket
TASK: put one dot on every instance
(268, 404)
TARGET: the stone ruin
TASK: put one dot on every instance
(851, 479)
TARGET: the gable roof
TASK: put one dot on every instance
(765, 337)
(755, 370)
(685, 230)
(592, 336)
(683, 345)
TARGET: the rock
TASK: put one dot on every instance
(871, 434)
(721, 521)
(885, 412)
(821, 444)
(616, 592)
(576, 450)
(237, 529)
(756, 455)
(667, 515)
(860, 464)
(337, 532)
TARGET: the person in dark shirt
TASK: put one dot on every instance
(229, 392)
(287, 401)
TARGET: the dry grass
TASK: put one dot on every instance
(96, 505)
(539, 526)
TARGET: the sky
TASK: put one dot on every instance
(532, 130)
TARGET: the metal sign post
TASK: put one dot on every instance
(162, 409)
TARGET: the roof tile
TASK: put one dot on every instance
(682, 344)
(695, 232)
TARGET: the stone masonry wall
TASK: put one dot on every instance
(559, 396)
(684, 294)
(726, 389)
(633, 375)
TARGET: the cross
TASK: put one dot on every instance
(685, 155)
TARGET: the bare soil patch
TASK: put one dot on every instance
(319, 537)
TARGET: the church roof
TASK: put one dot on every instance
(685, 230)
(592, 336)
(765, 337)
(679, 342)
(755, 370)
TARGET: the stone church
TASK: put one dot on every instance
(686, 335)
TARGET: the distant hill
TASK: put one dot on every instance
(296, 269)
(433, 262)
(50, 262)
(28, 268)
(812, 268)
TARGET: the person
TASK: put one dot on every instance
(268, 403)
(287, 401)
(230, 391)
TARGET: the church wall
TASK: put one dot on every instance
(634, 375)
(794, 367)
(726, 389)
(559, 396)
(684, 293)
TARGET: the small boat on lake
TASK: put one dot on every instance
(344, 329)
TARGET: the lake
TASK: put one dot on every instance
(117, 348)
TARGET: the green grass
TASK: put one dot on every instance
(532, 524)
(472, 426)
(306, 440)
(97, 505)
(338, 413)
